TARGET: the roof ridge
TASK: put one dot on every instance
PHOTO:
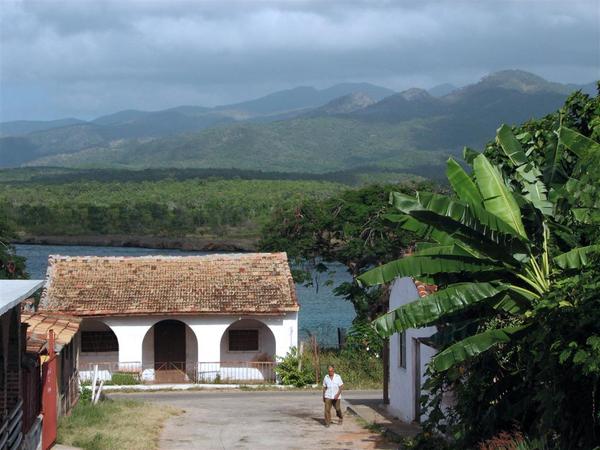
(273, 255)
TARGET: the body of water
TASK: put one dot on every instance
(321, 312)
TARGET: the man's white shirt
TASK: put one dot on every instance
(332, 385)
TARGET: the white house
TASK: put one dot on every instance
(165, 318)
(409, 356)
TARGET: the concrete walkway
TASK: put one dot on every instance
(265, 419)
(373, 411)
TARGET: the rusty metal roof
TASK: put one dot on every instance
(254, 283)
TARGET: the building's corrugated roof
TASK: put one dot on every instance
(38, 324)
(12, 292)
(254, 283)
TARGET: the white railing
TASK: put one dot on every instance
(180, 372)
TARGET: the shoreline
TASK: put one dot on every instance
(158, 242)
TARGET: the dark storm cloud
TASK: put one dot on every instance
(87, 58)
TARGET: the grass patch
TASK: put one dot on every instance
(404, 443)
(359, 371)
(114, 424)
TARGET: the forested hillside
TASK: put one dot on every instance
(197, 207)
(298, 130)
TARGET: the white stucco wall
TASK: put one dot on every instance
(266, 342)
(402, 390)
(203, 337)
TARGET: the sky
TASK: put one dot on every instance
(84, 58)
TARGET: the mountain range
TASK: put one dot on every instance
(303, 129)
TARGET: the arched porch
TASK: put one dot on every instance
(247, 352)
(169, 352)
(99, 346)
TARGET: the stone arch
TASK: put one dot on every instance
(169, 345)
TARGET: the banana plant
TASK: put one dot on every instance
(480, 249)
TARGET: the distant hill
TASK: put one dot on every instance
(343, 105)
(525, 82)
(22, 127)
(299, 130)
(44, 138)
(442, 89)
(305, 97)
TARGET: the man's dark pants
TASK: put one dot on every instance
(338, 409)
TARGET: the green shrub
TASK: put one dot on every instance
(85, 396)
(358, 369)
(123, 379)
(288, 372)
(363, 339)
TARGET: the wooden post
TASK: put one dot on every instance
(316, 361)
(386, 371)
(95, 400)
(94, 379)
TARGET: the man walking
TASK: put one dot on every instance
(332, 390)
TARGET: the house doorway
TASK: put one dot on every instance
(169, 345)
(169, 353)
(417, 379)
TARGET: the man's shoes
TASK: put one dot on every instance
(326, 425)
(341, 421)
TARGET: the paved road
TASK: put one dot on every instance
(257, 420)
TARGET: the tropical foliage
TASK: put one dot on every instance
(12, 266)
(519, 229)
(349, 228)
(201, 207)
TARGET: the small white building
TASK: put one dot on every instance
(188, 318)
(409, 356)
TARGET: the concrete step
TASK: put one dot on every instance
(376, 413)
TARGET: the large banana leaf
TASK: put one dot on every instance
(472, 346)
(424, 265)
(493, 245)
(497, 199)
(463, 185)
(428, 249)
(537, 194)
(427, 310)
(472, 216)
(553, 169)
(576, 258)
(477, 228)
(403, 202)
(423, 231)
(511, 146)
(576, 142)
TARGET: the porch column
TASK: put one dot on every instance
(130, 333)
(209, 331)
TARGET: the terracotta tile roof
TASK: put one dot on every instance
(254, 283)
(38, 325)
(425, 289)
(35, 344)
